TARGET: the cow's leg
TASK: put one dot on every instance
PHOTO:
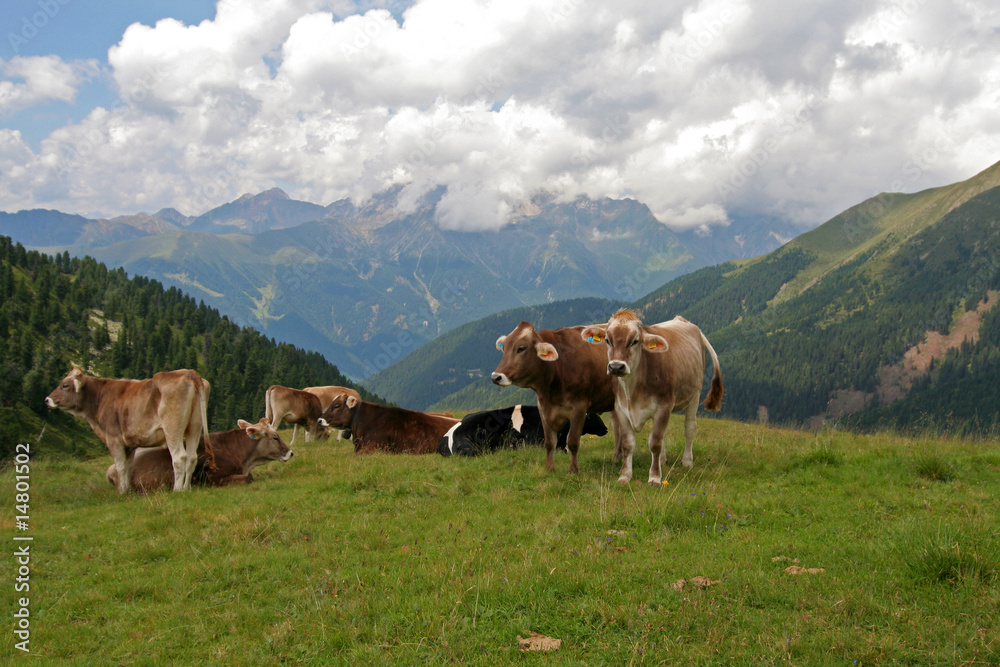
(657, 451)
(123, 464)
(295, 432)
(551, 439)
(690, 420)
(616, 431)
(308, 433)
(573, 439)
(628, 446)
(191, 443)
(179, 460)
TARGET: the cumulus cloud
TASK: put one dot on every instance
(694, 108)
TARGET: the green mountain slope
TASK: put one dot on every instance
(55, 311)
(826, 327)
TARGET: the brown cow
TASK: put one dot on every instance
(384, 428)
(658, 369)
(567, 375)
(169, 408)
(326, 396)
(237, 453)
(295, 406)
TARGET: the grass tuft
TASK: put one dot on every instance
(935, 468)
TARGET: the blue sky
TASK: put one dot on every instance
(697, 108)
(79, 30)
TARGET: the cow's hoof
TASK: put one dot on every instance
(655, 481)
(624, 480)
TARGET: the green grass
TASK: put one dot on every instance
(339, 559)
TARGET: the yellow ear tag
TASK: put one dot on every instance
(651, 345)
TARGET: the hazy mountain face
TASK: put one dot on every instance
(366, 285)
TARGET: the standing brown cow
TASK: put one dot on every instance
(169, 408)
(567, 375)
(658, 369)
(295, 406)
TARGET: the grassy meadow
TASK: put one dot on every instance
(334, 558)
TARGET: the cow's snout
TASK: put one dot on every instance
(618, 368)
(500, 379)
(49, 402)
(287, 456)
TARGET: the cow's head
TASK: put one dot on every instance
(68, 395)
(340, 413)
(626, 339)
(524, 356)
(268, 444)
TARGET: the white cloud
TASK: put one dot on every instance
(34, 80)
(694, 108)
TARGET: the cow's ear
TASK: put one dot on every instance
(264, 421)
(654, 343)
(500, 341)
(77, 384)
(594, 334)
(243, 424)
(546, 351)
(351, 401)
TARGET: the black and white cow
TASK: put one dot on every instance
(506, 428)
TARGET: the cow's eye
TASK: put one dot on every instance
(607, 341)
(633, 342)
(521, 348)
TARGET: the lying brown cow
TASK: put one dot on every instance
(169, 408)
(384, 428)
(295, 406)
(326, 395)
(658, 369)
(237, 453)
(567, 375)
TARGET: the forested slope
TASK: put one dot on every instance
(56, 311)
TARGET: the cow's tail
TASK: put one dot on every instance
(203, 389)
(714, 399)
(268, 412)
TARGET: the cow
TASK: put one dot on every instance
(488, 431)
(658, 370)
(326, 395)
(384, 428)
(237, 453)
(169, 408)
(295, 406)
(567, 375)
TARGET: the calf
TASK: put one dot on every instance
(169, 408)
(511, 427)
(295, 406)
(384, 428)
(658, 370)
(567, 375)
(237, 453)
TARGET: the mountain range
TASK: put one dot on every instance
(883, 315)
(367, 284)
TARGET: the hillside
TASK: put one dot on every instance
(56, 311)
(853, 319)
(351, 281)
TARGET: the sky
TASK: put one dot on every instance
(703, 111)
